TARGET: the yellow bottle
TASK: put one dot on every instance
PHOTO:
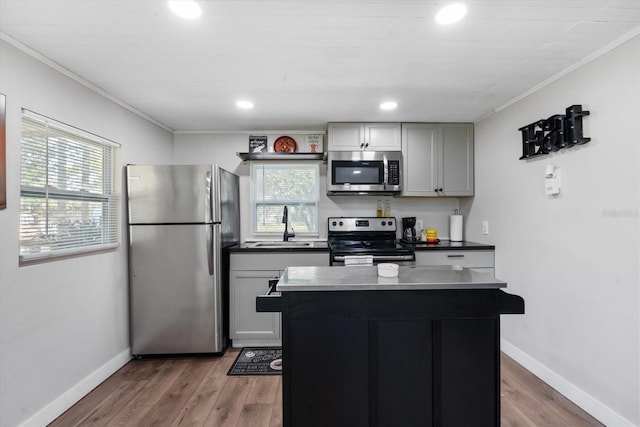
(379, 210)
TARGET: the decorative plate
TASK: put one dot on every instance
(285, 144)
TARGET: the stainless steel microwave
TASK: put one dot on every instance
(364, 172)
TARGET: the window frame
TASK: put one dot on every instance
(108, 199)
(255, 234)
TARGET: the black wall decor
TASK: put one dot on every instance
(556, 132)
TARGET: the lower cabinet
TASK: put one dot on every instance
(394, 373)
(247, 327)
(249, 277)
(393, 358)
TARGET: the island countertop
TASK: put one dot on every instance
(358, 278)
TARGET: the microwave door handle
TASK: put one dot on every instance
(385, 164)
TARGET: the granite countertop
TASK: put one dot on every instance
(366, 278)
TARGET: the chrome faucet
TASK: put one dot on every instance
(285, 221)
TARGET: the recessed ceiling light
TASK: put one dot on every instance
(390, 105)
(187, 9)
(450, 14)
(245, 105)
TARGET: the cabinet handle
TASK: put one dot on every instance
(455, 256)
(362, 145)
(366, 144)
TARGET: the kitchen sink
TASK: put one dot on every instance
(277, 244)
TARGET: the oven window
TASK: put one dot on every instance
(346, 172)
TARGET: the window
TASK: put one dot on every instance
(68, 198)
(275, 185)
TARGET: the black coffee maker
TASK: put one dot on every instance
(408, 229)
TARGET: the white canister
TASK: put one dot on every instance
(387, 270)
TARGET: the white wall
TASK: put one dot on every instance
(574, 257)
(63, 324)
(222, 148)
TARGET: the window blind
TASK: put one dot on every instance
(68, 194)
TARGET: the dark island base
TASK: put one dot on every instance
(393, 358)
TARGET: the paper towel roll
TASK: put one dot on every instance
(455, 228)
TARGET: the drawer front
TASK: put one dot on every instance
(462, 258)
(277, 260)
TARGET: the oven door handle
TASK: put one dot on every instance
(270, 301)
(340, 258)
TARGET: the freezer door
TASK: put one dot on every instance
(169, 194)
(226, 206)
(175, 289)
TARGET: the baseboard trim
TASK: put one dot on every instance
(588, 403)
(256, 343)
(66, 400)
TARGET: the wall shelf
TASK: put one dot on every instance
(283, 156)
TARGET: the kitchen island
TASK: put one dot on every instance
(420, 349)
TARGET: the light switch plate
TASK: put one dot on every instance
(485, 227)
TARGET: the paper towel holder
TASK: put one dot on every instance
(455, 227)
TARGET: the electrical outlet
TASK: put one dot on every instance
(485, 227)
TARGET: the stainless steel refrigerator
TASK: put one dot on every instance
(181, 219)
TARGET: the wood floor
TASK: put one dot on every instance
(197, 392)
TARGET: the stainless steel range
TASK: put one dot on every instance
(368, 238)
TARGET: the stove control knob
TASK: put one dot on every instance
(334, 223)
(341, 223)
(384, 223)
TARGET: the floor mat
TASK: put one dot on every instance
(257, 361)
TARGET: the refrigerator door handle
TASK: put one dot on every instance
(209, 242)
(208, 216)
(214, 250)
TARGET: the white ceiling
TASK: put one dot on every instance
(307, 62)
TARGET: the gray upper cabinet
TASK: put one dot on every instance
(419, 157)
(437, 159)
(364, 136)
(456, 172)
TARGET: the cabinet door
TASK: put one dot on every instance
(246, 324)
(419, 157)
(346, 136)
(403, 366)
(329, 384)
(470, 372)
(382, 136)
(456, 177)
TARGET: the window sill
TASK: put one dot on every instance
(42, 257)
